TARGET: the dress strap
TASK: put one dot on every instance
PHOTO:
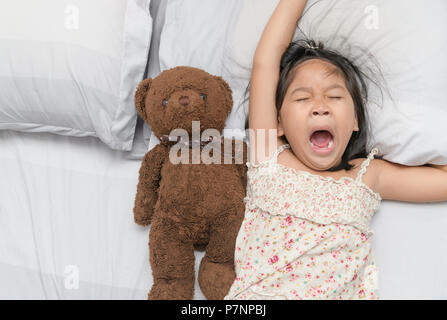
(280, 149)
(365, 163)
(272, 160)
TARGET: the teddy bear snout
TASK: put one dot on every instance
(184, 100)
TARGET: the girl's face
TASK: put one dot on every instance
(317, 100)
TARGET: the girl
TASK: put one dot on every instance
(306, 231)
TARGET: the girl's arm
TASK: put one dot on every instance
(442, 167)
(279, 31)
(276, 37)
(413, 184)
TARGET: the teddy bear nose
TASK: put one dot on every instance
(183, 100)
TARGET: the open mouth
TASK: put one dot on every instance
(322, 142)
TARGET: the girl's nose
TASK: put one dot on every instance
(320, 110)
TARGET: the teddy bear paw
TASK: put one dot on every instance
(172, 289)
(215, 279)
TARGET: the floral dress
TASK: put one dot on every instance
(305, 236)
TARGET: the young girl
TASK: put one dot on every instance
(309, 204)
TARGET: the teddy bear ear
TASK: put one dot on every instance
(140, 97)
(228, 93)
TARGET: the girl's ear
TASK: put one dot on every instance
(356, 125)
(140, 97)
(280, 128)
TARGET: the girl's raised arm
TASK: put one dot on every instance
(275, 39)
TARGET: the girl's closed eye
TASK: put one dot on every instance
(304, 99)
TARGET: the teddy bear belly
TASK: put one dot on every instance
(192, 192)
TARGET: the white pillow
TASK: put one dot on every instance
(197, 33)
(71, 68)
(407, 39)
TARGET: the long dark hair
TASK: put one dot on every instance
(304, 49)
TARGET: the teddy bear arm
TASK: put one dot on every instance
(148, 184)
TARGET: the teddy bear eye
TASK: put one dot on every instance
(203, 96)
(165, 102)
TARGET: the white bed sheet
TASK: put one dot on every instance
(66, 212)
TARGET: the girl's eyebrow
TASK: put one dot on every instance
(333, 86)
(307, 89)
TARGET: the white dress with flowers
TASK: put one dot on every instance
(305, 236)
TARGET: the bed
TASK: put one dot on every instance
(66, 220)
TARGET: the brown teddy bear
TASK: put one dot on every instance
(191, 205)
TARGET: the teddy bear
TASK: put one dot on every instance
(191, 205)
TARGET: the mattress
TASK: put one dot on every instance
(67, 230)
(66, 221)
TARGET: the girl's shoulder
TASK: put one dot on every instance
(371, 175)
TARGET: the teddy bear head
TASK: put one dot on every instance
(183, 94)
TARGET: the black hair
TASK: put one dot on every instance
(303, 50)
(355, 80)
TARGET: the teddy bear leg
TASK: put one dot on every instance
(172, 263)
(216, 271)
